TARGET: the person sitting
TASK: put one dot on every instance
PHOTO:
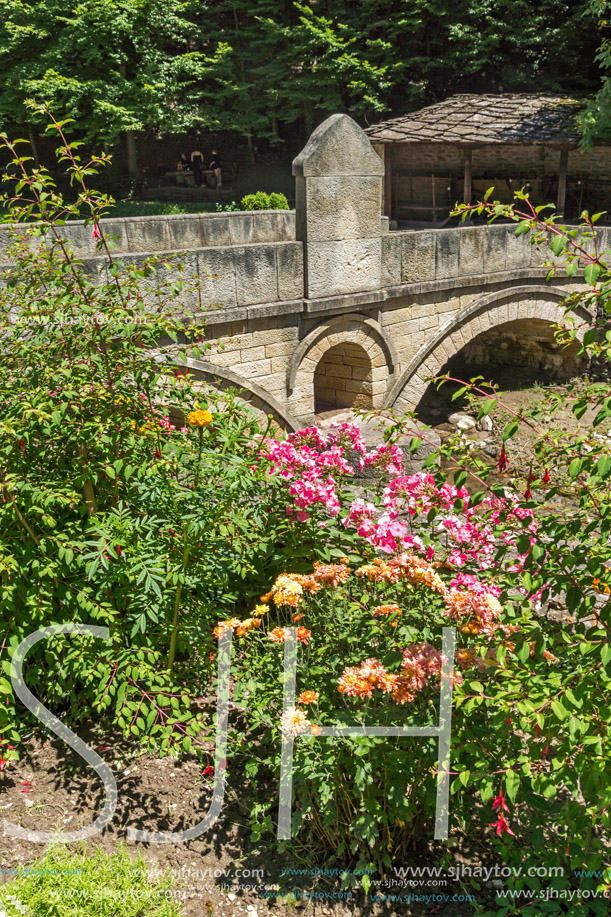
(215, 165)
(183, 163)
(197, 164)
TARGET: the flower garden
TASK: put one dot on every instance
(139, 500)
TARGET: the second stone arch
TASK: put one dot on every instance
(344, 362)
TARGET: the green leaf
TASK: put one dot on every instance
(575, 467)
(591, 273)
(510, 430)
(560, 711)
(557, 244)
(512, 782)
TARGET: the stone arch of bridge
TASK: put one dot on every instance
(354, 340)
(252, 394)
(491, 311)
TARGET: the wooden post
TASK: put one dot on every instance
(434, 201)
(387, 182)
(468, 175)
(564, 163)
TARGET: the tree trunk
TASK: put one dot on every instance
(251, 148)
(32, 140)
(132, 154)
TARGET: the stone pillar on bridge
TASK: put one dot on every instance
(338, 207)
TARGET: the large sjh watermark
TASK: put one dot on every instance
(442, 732)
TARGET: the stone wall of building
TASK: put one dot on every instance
(506, 159)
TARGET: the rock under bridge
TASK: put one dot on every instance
(325, 307)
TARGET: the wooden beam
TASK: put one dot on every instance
(562, 173)
(468, 175)
(387, 181)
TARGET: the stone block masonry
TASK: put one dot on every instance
(324, 306)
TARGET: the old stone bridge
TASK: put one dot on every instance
(325, 307)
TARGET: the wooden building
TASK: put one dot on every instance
(455, 150)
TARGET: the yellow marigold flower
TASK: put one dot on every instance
(199, 418)
(308, 697)
(142, 430)
(261, 610)
(294, 722)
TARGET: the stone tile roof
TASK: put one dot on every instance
(474, 119)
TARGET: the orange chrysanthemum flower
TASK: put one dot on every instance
(279, 634)
(330, 574)
(294, 722)
(304, 635)
(308, 697)
(384, 610)
(222, 626)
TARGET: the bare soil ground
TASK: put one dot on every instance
(221, 873)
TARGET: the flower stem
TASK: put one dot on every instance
(174, 636)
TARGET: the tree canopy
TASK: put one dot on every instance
(264, 66)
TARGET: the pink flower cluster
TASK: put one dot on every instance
(306, 459)
(310, 461)
(388, 458)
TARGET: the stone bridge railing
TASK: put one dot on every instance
(253, 259)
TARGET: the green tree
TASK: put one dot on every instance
(118, 67)
(596, 117)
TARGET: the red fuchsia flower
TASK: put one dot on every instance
(503, 461)
(208, 771)
(546, 477)
(499, 802)
(501, 824)
(96, 233)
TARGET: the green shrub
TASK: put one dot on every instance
(278, 201)
(263, 201)
(75, 884)
(118, 508)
